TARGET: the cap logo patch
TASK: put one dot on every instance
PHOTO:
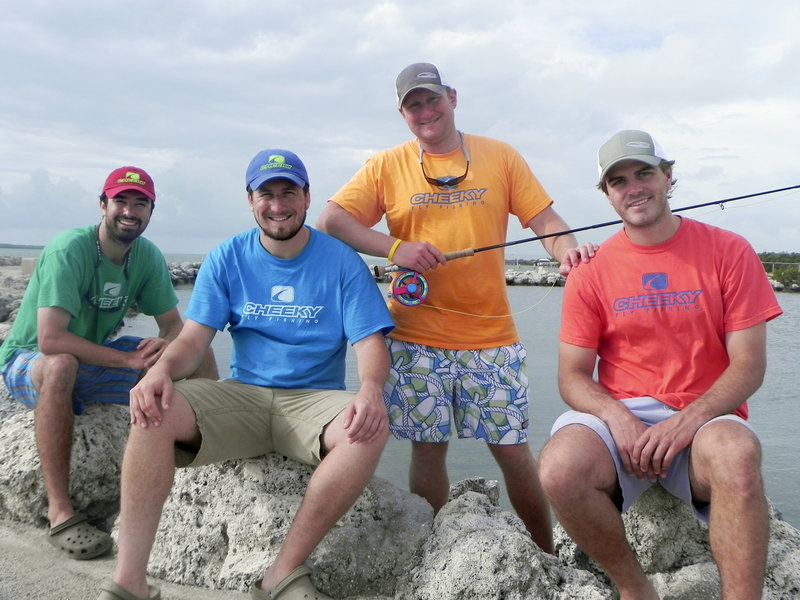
(642, 145)
(427, 75)
(132, 177)
(275, 161)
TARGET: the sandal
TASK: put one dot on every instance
(112, 591)
(295, 586)
(78, 539)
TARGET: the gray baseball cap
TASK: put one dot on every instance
(629, 144)
(419, 75)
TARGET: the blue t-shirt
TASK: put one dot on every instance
(290, 319)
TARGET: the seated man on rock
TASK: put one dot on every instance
(59, 354)
(673, 314)
(292, 298)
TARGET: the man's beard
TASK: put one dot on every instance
(123, 236)
(282, 236)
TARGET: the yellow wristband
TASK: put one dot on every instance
(394, 249)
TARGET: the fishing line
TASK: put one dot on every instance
(411, 288)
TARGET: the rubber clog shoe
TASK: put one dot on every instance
(112, 591)
(295, 586)
(78, 539)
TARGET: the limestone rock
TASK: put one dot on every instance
(223, 524)
(387, 545)
(535, 276)
(184, 272)
(477, 550)
(8, 406)
(99, 437)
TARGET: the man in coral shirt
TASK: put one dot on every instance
(673, 313)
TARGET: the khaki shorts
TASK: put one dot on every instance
(237, 420)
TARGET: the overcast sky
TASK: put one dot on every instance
(192, 90)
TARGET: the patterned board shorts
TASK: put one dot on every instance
(92, 384)
(484, 393)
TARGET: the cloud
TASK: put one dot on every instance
(192, 90)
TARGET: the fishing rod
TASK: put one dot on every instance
(411, 288)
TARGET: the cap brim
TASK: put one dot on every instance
(112, 191)
(653, 161)
(259, 181)
(432, 87)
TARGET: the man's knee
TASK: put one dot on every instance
(728, 451)
(55, 369)
(573, 458)
(554, 468)
(53, 377)
(514, 456)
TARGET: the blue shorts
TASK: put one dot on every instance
(92, 383)
(650, 411)
(483, 393)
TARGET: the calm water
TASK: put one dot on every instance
(775, 410)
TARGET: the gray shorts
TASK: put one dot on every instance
(237, 420)
(650, 411)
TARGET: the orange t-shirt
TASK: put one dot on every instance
(658, 315)
(473, 215)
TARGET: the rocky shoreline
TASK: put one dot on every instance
(388, 546)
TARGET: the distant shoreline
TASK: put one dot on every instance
(19, 247)
(519, 271)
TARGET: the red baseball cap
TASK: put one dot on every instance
(129, 178)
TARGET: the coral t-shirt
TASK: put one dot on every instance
(472, 215)
(658, 314)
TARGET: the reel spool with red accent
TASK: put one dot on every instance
(409, 288)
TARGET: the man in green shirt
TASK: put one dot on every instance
(60, 353)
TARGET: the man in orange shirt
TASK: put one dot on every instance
(457, 362)
(673, 314)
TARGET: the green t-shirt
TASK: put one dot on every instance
(96, 295)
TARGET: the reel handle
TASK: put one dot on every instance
(381, 271)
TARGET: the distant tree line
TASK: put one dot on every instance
(782, 266)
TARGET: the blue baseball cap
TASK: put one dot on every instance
(274, 163)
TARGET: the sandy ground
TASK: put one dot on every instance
(31, 569)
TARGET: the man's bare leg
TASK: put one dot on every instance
(726, 467)
(148, 470)
(54, 378)
(525, 492)
(427, 474)
(333, 488)
(579, 478)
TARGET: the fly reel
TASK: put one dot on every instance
(409, 288)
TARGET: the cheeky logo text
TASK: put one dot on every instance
(448, 198)
(686, 299)
(290, 311)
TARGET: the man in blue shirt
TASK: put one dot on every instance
(290, 321)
